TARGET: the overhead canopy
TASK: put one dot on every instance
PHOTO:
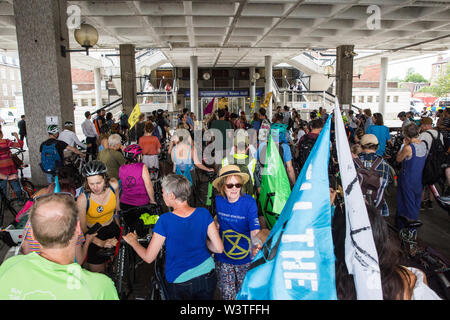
(234, 33)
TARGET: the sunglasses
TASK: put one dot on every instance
(59, 194)
(230, 185)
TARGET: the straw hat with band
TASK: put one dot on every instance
(229, 170)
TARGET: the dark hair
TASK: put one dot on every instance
(221, 113)
(411, 130)
(367, 112)
(22, 116)
(262, 111)
(389, 260)
(286, 108)
(359, 132)
(87, 114)
(279, 116)
(149, 127)
(317, 123)
(378, 119)
(109, 116)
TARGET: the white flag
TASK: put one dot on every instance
(361, 255)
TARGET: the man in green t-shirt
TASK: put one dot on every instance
(222, 125)
(112, 156)
(53, 275)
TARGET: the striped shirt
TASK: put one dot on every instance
(34, 245)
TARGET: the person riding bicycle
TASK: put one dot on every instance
(99, 202)
(238, 224)
(189, 235)
(52, 153)
(137, 188)
(69, 137)
(7, 165)
(52, 274)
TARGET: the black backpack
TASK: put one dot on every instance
(436, 159)
(305, 146)
(370, 181)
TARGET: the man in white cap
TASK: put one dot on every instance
(376, 182)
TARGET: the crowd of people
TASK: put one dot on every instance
(204, 250)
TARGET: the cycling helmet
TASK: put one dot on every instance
(94, 168)
(132, 151)
(52, 129)
(68, 124)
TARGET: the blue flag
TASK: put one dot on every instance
(297, 260)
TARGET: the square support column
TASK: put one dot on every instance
(344, 74)
(383, 85)
(194, 87)
(268, 83)
(46, 76)
(128, 76)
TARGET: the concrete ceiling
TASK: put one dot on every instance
(235, 33)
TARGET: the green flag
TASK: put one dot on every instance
(275, 187)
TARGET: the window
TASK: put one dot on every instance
(361, 99)
(13, 90)
(377, 99)
(93, 102)
(11, 74)
(104, 102)
(84, 102)
(5, 90)
(3, 74)
(7, 104)
(396, 99)
(370, 99)
(353, 99)
(388, 98)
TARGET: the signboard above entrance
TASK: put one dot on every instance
(224, 93)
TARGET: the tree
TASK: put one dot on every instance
(441, 87)
(412, 76)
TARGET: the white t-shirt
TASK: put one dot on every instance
(421, 291)
(424, 136)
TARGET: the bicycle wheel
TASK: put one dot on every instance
(123, 272)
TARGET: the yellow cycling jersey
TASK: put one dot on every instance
(101, 213)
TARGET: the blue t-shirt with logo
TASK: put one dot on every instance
(382, 134)
(236, 221)
(185, 241)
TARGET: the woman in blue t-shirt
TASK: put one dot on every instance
(237, 216)
(381, 132)
(188, 234)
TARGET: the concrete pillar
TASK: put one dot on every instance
(268, 84)
(46, 78)
(344, 74)
(383, 85)
(128, 76)
(98, 87)
(252, 86)
(194, 87)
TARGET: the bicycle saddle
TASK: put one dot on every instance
(410, 223)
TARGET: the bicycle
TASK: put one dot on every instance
(26, 185)
(76, 163)
(158, 287)
(122, 262)
(428, 258)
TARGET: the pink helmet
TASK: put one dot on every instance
(132, 151)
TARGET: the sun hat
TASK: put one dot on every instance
(369, 139)
(229, 170)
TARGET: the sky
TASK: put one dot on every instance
(421, 64)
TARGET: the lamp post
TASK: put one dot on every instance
(86, 36)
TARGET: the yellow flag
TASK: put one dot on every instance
(267, 100)
(134, 116)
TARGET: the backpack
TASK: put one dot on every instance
(433, 169)
(305, 146)
(50, 157)
(370, 181)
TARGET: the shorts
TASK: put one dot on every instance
(107, 232)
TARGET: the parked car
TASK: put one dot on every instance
(440, 103)
(7, 115)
